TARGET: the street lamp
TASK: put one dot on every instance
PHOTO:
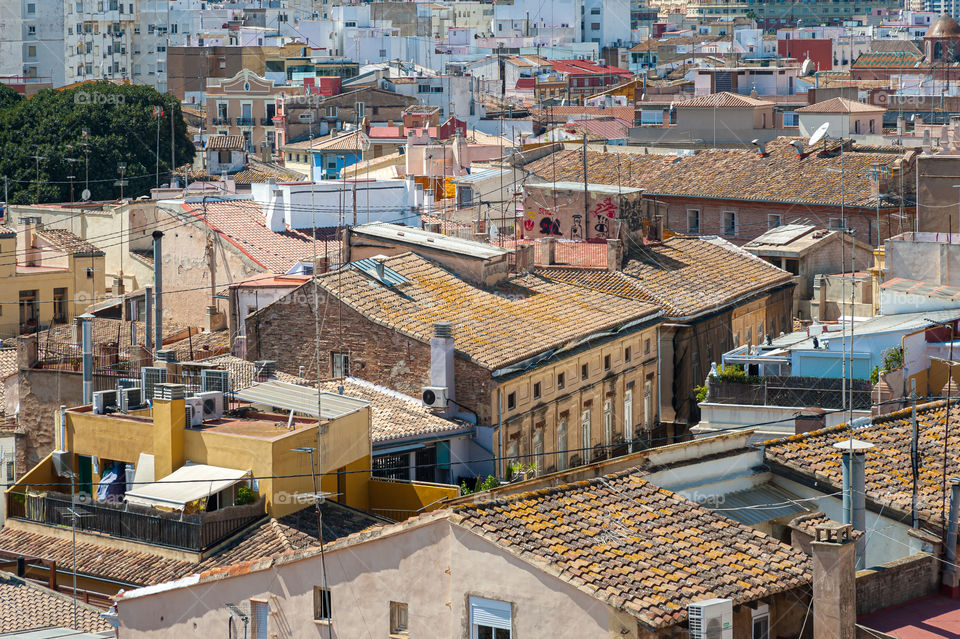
(122, 168)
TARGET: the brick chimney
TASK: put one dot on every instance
(548, 251)
(834, 582)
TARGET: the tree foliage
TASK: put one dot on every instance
(121, 127)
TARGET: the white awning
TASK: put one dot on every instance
(186, 484)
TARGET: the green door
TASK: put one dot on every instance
(85, 475)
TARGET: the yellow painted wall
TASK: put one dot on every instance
(400, 500)
(108, 437)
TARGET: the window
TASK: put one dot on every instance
(626, 354)
(538, 450)
(608, 423)
(32, 8)
(511, 400)
(560, 381)
(693, 221)
(60, 305)
(536, 390)
(647, 404)
(585, 433)
(321, 603)
(584, 371)
(761, 622)
(341, 364)
(646, 346)
(628, 418)
(835, 224)
(398, 618)
(606, 362)
(31, 30)
(490, 619)
(259, 615)
(774, 220)
(792, 266)
(11, 472)
(730, 223)
(562, 445)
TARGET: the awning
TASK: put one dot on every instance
(186, 484)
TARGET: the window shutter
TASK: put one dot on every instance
(487, 612)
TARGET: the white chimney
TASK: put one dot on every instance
(441, 359)
(273, 212)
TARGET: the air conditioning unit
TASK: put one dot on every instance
(434, 396)
(150, 376)
(102, 400)
(194, 408)
(128, 382)
(212, 404)
(214, 380)
(711, 619)
(130, 398)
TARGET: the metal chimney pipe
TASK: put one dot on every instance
(854, 499)
(148, 311)
(950, 572)
(86, 329)
(158, 290)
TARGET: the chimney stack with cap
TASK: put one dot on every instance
(834, 582)
(442, 361)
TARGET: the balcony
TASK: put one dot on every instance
(245, 121)
(194, 532)
(222, 121)
(266, 121)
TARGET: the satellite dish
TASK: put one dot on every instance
(819, 133)
(808, 67)
(85, 195)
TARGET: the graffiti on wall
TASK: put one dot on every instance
(600, 221)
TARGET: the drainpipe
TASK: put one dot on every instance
(148, 311)
(499, 432)
(951, 575)
(158, 292)
(854, 500)
(86, 328)
(63, 427)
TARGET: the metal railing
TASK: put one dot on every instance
(791, 391)
(194, 532)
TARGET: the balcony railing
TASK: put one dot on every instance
(266, 121)
(222, 121)
(774, 390)
(245, 121)
(195, 532)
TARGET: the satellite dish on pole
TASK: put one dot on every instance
(819, 134)
(85, 195)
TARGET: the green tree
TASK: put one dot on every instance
(98, 124)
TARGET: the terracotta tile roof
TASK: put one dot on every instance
(490, 327)
(685, 275)
(202, 345)
(841, 105)
(778, 177)
(895, 46)
(27, 606)
(340, 142)
(225, 143)
(888, 469)
(640, 548)
(6, 231)
(395, 416)
(605, 128)
(886, 59)
(70, 242)
(105, 331)
(563, 113)
(271, 538)
(723, 100)
(257, 172)
(241, 223)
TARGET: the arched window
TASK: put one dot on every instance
(871, 126)
(937, 50)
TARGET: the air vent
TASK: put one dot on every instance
(169, 392)
(443, 329)
(166, 355)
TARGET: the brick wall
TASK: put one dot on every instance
(285, 330)
(896, 582)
